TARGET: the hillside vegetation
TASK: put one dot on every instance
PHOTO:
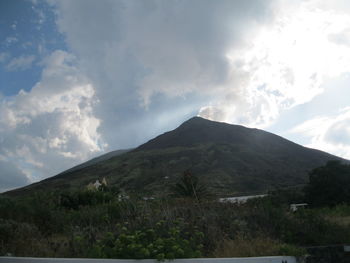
(107, 224)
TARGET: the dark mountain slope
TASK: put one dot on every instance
(202, 131)
(198, 130)
(230, 159)
(96, 160)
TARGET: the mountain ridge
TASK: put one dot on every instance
(229, 158)
(193, 125)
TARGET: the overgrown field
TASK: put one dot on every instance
(105, 224)
(97, 224)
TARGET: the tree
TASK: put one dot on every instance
(189, 186)
(329, 185)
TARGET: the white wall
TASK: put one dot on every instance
(278, 259)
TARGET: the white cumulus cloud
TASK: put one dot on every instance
(52, 127)
(285, 64)
(330, 133)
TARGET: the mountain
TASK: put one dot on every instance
(96, 160)
(230, 159)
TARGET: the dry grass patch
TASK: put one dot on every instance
(339, 220)
(243, 246)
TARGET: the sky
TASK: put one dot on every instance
(81, 78)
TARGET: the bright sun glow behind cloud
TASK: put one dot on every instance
(328, 133)
(286, 64)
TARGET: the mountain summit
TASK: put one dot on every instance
(230, 159)
(198, 130)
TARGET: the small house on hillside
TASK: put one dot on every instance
(295, 207)
(96, 185)
(104, 181)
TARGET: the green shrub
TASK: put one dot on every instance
(161, 242)
(19, 238)
(292, 250)
(329, 185)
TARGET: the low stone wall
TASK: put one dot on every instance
(281, 259)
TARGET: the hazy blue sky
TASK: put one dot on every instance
(80, 78)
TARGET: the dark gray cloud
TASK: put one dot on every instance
(11, 177)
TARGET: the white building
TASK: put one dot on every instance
(295, 207)
(239, 199)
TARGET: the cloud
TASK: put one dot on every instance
(10, 40)
(14, 25)
(341, 38)
(242, 62)
(142, 67)
(20, 63)
(147, 58)
(286, 64)
(52, 127)
(4, 56)
(11, 176)
(330, 133)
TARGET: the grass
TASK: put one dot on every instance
(243, 246)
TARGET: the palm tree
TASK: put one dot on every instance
(189, 186)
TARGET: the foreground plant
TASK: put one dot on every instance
(161, 242)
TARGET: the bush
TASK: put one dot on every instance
(77, 199)
(329, 185)
(161, 242)
(20, 239)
